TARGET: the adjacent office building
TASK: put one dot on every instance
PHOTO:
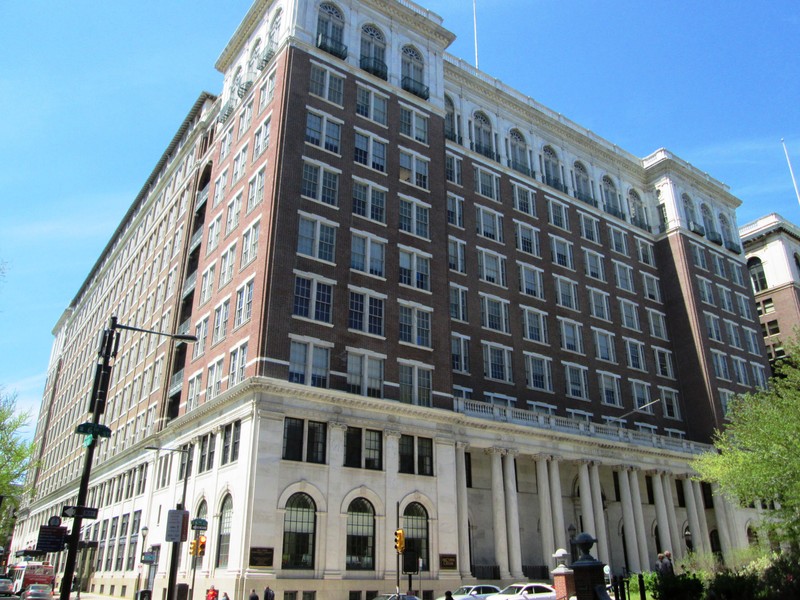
(422, 301)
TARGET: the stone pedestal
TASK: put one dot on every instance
(587, 571)
(563, 581)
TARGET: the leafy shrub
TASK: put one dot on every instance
(684, 586)
(729, 585)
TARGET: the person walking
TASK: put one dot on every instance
(212, 593)
(668, 568)
(659, 566)
(253, 595)
(269, 594)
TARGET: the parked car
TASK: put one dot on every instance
(395, 597)
(6, 587)
(473, 592)
(526, 591)
(38, 591)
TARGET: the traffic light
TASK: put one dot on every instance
(193, 548)
(201, 546)
(399, 541)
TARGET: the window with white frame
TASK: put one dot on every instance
(414, 124)
(487, 183)
(634, 350)
(366, 311)
(736, 273)
(740, 370)
(459, 353)
(323, 131)
(561, 252)
(663, 360)
(214, 228)
(599, 304)
(255, 190)
(239, 164)
(415, 268)
(221, 314)
(576, 380)
(641, 395)
(527, 238)
(719, 265)
(250, 243)
(365, 373)
(414, 217)
(571, 335)
(619, 241)
(414, 169)
(609, 388)
(494, 313)
(646, 254)
(713, 329)
(367, 253)
(309, 362)
(590, 228)
(706, 290)
(725, 299)
(245, 119)
(261, 138)
(456, 255)
(458, 303)
(524, 199)
(566, 292)
(534, 325)
(415, 324)
(658, 324)
(630, 314)
(267, 91)
(745, 309)
(313, 297)
(372, 105)
(497, 362)
(725, 399)
(623, 276)
(320, 183)
(244, 304)
(370, 151)
(604, 345)
(557, 214)
(232, 215)
(699, 256)
(669, 403)
(193, 390)
(542, 408)
(720, 363)
(369, 201)
(538, 372)
(220, 185)
(214, 379)
(326, 84)
(237, 362)
(455, 210)
(759, 375)
(750, 340)
(225, 144)
(207, 283)
(489, 223)
(201, 333)
(416, 383)
(316, 237)
(734, 336)
(531, 281)
(652, 288)
(593, 264)
(453, 168)
(491, 267)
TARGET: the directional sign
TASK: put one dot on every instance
(85, 512)
(199, 524)
(95, 429)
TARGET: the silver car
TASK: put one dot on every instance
(6, 587)
(526, 591)
(473, 592)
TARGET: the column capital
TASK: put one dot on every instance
(339, 426)
(511, 452)
(495, 450)
(538, 457)
(462, 445)
(392, 433)
(654, 472)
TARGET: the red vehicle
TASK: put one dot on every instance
(29, 572)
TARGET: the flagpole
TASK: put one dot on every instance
(791, 171)
(475, 28)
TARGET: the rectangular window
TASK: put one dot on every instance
(304, 440)
(414, 169)
(239, 165)
(663, 360)
(221, 314)
(576, 381)
(369, 201)
(619, 242)
(571, 335)
(323, 131)
(491, 267)
(538, 372)
(370, 151)
(590, 228)
(740, 370)
(494, 314)
(459, 353)
(244, 304)
(415, 325)
(634, 351)
(630, 314)
(255, 190)
(363, 448)
(609, 388)
(566, 292)
(646, 254)
(453, 169)
(231, 434)
(320, 184)
(720, 363)
(456, 255)
(497, 362)
(531, 281)
(316, 237)
(534, 325)
(267, 91)
(734, 336)
(604, 345)
(641, 396)
(458, 303)
(415, 384)
(366, 312)
(236, 365)
(313, 298)
(309, 363)
(725, 299)
(557, 214)
(699, 257)
(250, 244)
(367, 254)
(706, 290)
(489, 223)
(594, 265)
(658, 324)
(414, 217)
(527, 239)
(561, 252)
(599, 304)
(214, 380)
(652, 289)
(623, 275)
(524, 199)
(227, 264)
(455, 210)
(371, 105)
(487, 183)
(713, 329)
(415, 269)
(261, 139)
(365, 374)
(416, 455)
(326, 84)
(414, 124)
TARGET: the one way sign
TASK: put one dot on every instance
(84, 512)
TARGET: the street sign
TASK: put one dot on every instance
(95, 429)
(51, 539)
(199, 524)
(149, 558)
(54, 521)
(177, 525)
(84, 512)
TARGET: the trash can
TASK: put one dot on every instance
(144, 595)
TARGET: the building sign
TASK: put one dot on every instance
(261, 557)
(448, 562)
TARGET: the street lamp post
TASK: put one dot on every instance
(143, 532)
(172, 580)
(109, 344)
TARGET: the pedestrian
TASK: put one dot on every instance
(269, 594)
(212, 593)
(253, 595)
(225, 596)
(448, 595)
(668, 568)
(659, 566)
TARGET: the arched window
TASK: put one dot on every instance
(552, 168)
(757, 275)
(236, 82)
(708, 219)
(583, 187)
(275, 29)
(330, 24)
(725, 229)
(360, 535)
(636, 209)
(688, 210)
(373, 51)
(415, 525)
(611, 198)
(202, 513)
(450, 125)
(255, 56)
(519, 152)
(752, 536)
(482, 130)
(299, 532)
(413, 72)
(224, 534)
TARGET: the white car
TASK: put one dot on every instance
(526, 591)
(473, 592)
(395, 597)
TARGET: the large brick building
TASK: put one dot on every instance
(421, 299)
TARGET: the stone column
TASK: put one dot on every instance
(665, 541)
(558, 504)
(545, 510)
(337, 522)
(631, 543)
(587, 510)
(463, 510)
(691, 510)
(512, 515)
(675, 533)
(392, 494)
(701, 515)
(638, 516)
(499, 512)
(721, 512)
(599, 514)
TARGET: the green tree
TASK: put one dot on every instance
(757, 455)
(15, 458)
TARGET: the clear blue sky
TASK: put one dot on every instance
(93, 91)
